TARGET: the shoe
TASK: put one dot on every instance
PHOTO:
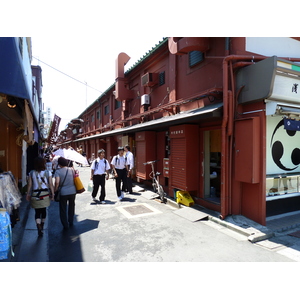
(94, 199)
(102, 202)
(39, 228)
(122, 195)
(120, 198)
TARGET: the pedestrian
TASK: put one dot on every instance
(99, 174)
(120, 172)
(39, 191)
(64, 177)
(130, 164)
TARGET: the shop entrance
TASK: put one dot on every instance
(212, 165)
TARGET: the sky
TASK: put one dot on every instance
(75, 71)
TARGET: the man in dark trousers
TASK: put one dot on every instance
(119, 167)
(99, 173)
(130, 165)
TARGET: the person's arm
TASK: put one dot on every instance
(92, 169)
(29, 186)
(107, 168)
(50, 181)
(56, 185)
(113, 166)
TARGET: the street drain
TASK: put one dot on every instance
(137, 210)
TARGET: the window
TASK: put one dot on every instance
(21, 45)
(106, 110)
(195, 57)
(92, 118)
(161, 78)
(118, 104)
(98, 115)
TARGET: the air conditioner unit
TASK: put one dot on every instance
(150, 79)
(145, 99)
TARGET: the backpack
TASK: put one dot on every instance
(116, 156)
(96, 163)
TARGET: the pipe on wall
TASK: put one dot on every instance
(227, 130)
(121, 92)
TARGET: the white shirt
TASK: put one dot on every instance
(130, 160)
(119, 162)
(100, 166)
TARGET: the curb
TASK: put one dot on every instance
(253, 235)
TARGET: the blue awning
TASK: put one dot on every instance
(12, 75)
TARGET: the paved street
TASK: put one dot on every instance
(142, 230)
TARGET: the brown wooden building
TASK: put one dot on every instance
(209, 110)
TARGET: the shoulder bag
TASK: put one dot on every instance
(78, 184)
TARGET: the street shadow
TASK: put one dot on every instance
(65, 244)
(127, 199)
(97, 202)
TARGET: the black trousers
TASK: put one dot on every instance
(67, 209)
(99, 180)
(122, 176)
(40, 213)
(129, 183)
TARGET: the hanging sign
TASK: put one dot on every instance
(53, 134)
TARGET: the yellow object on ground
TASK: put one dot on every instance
(184, 198)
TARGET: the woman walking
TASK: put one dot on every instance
(64, 178)
(38, 188)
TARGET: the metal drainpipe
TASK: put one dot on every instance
(228, 103)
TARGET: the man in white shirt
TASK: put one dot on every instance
(119, 167)
(99, 173)
(130, 164)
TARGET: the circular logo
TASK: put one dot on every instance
(284, 155)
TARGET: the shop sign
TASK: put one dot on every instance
(177, 133)
(286, 89)
(282, 146)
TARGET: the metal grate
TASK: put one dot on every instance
(137, 210)
(195, 57)
(161, 78)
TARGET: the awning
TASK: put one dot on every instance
(191, 116)
(12, 75)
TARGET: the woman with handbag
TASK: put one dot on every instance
(40, 191)
(64, 183)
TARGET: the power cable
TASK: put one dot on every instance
(85, 83)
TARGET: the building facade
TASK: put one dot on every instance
(214, 113)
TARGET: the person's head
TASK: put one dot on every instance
(39, 164)
(121, 151)
(63, 162)
(101, 153)
(127, 148)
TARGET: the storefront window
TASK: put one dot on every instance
(282, 184)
